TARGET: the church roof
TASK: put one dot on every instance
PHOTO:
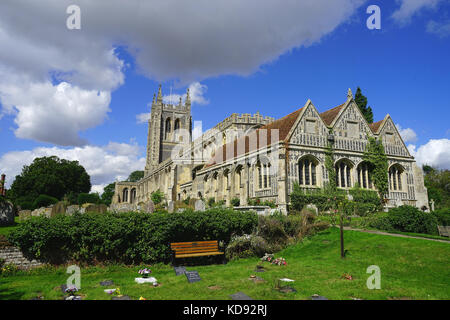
(283, 125)
(329, 115)
(375, 126)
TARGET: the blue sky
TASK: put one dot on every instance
(403, 69)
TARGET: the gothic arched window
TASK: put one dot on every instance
(263, 175)
(364, 172)
(307, 172)
(343, 173)
(125, 195)
(395, 177)
(168, 128)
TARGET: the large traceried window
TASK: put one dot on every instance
(263, 175)
(395, 177)
(364, 172)
(343, 173)
(307, 168)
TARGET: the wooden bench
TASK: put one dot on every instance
(444, 231)
(195, 249)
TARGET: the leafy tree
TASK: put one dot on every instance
(135, 176)
(361, 101)
(43, 200)
(89, 198)
(108, 193)
(438, 186)
(50, 176)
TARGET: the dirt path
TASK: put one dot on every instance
(395, 234)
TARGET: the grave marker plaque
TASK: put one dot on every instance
(240, 296)
(179, 270)
(192, 276)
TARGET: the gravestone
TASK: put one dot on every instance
(97, 208)
(24, 215)
(107, 283)
(317, 297)
(146, 280)
(192, 276)
(149, 207)
(170, 206)
(179, 270)
(7, 213)
(58, 208)
(199, 205)
(70, 210)
(240, 296)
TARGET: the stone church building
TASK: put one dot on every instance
(255, 157)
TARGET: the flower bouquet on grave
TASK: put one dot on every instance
(71, 290)
(268, 257)
(145, 272)
(279, 261)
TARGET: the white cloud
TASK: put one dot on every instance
(54, 113)
(169, 39)
(407, 134)
(104, 164)
(441, 29)
(197, 93)
(436, 153)
(143, 117)
(409, 8)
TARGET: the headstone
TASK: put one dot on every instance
(179, 270)
(260, 269)
(170, 206)
(317, 297)
(256, 279)
(146, 280)
(149, 207)
(24, 215)
(107, 283)
(192, 276)
(240, 296)
(70, 210)
(97, 208)
(7, 213)
(58, 208)
(199, 205)
(287, 289)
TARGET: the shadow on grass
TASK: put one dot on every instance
(9, 294)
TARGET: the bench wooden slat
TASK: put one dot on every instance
(198, 254)
(195, 248)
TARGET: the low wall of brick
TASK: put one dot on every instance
(13, 255)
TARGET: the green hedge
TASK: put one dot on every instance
(406, 219)
(125, 237)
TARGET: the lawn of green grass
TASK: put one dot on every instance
(410, 268)
(5, 230)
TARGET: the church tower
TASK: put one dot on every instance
(165, 129)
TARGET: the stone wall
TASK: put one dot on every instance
(13, 255)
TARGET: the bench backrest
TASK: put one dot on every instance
(195, 247)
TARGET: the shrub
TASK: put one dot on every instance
(157, 197)
(44, 200)
(406, 219)
(83, 198)
(442, 216)
(211, 202)
(247, 246)
(272, 229)
(235, 202)
(125, 237)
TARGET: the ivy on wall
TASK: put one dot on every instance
(376, 156)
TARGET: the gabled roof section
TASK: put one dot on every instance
(376, 126)
(329, 115)
(242, 145)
